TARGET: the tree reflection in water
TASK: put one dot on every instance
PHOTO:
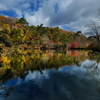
(42, 76)
(5, 91)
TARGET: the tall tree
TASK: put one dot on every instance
(23, 21)
(94, 28)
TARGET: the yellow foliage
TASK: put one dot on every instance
(5, 26)
(21, 31)
(7, 67)
(5, 59)
(2, 18)
(1, 28)
(22, 34)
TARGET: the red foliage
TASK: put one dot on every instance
(74, 53)
(73, 45)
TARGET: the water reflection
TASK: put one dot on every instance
(66, 83)
(50, 76)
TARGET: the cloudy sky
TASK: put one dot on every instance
(72, 15)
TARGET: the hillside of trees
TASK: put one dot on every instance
(15, 33)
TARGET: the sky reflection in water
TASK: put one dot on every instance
(66, 83)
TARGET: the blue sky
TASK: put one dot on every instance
(72, 15)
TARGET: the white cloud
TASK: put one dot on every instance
(38, 18)
(3, 7)
(70, 13)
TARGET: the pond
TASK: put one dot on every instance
(50, 75)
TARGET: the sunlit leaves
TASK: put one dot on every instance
(2, 18)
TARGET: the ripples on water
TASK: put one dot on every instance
(69, 82)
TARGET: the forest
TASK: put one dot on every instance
(16, 34)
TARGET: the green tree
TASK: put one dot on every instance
(66, 38)
(17, 35)
(78, 33)
(23, 21)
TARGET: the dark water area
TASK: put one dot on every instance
(74, 75)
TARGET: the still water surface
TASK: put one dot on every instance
(74, 75)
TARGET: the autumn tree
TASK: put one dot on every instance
(17, 35)
(2, 18)
(10, 20)
(8, 23)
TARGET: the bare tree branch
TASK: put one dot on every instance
(94, 29)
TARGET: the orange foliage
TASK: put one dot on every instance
(65, 32)
(2, 18)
